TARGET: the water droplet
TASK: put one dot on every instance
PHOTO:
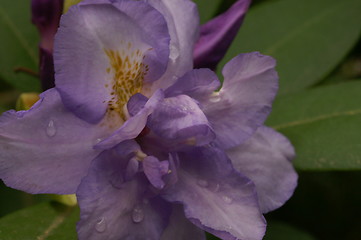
(227, 199)
(98, 140)
(101, 225)
(50, 129)
(202, 183)
(137, 214)
(215, 97)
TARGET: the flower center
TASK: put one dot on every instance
(128, 71)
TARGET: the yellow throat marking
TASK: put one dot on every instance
(128, 71)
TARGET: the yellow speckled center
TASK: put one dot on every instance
(128, 71)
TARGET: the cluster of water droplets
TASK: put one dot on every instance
(137, 214)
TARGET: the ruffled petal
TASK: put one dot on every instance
(155, 170)
(104, 53)
(197, 84)
(180, 119)
(46, 149)
(217, 35)
(266, 159)
(113, 209)
(180, 228)
(134, 125)
(216, 197)
(244, 102)
(183, 24)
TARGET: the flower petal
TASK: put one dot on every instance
(244, 102)
(179, 118)
(217, 198)
(112, 209)
(266, 159)
(134, 125)
(105, 51)
(154, 170)
(184, 33)
(217, 35)
(180, 228)
(197, 84)
(47, 142)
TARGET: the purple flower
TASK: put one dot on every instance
(148, 146)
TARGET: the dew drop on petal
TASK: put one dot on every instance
(101, 225)
(202, 183)
(50, 129)
(137, 214)
(215, 97)
(227, 199)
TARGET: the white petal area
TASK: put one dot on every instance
(183, 24)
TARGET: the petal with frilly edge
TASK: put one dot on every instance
(180, 228)
(104, 53)
(266, 159)
(216, 197)
(46, 142)
(134, 125)
(244, 102)
(114, 209)
(180, 119)
(217, 35)
(183, 24)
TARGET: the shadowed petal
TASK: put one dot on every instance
(244, 102)
(217, 35)
(99, 46)
(134, 125)
(179, 118)
(266, 159)
(180, 228)
(216, 197)
(46, 149)
(113, 209)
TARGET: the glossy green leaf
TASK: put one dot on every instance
(46, 221)
(283, 231)
(308, 38)
(18, 45)
(324, 124)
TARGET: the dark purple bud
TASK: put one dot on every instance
(46, 16)
(217, 35)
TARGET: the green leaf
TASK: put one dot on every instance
(283, 231)
(307, 38)
(324, 124)
(46, 221)
(18, 45)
